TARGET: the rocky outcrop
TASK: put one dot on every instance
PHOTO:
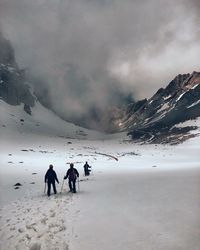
(153, 120)
(14, 88)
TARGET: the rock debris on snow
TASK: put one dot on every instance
(17, 184)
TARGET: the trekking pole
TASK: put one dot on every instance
(45, 187)
(62, 186)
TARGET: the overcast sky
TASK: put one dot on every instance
(89, 50)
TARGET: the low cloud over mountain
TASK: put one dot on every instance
(90, 55)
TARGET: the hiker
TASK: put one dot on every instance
(86, 169)
(50, 178)
(72, 174)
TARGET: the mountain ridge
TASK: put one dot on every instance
(178, 102)
(150, 120)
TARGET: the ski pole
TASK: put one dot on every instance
(45, 187)
(62, 186)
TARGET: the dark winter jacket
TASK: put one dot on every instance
(72, 174)
(86, 169)
(86, 166)
(51, 176)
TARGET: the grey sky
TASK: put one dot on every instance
(86, 48)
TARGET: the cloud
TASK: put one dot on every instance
(90, 52)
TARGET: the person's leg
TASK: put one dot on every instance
(70, 185)
(49, 188)
(74, 186)
(54, 187)
(86, 172)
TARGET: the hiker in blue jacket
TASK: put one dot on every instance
(72, 174)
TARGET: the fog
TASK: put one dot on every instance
(87, 53)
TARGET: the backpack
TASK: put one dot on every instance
(72, 174)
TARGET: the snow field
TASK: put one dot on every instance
(152, 210)
(37, 223)
(138, 197)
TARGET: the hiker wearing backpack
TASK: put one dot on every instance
(87, 169)
(72, 174)
(50, 178)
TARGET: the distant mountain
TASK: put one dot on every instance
(154, 120)
(13, 84)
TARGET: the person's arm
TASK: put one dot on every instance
(46, 177)
(67, 174)
(56, 177)
(77, 173)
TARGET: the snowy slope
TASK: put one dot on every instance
(137, 197)
(42, 121)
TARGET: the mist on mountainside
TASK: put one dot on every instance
(84, 57)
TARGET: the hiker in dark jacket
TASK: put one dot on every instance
(50, 178)
(72, 174)
(87, 169)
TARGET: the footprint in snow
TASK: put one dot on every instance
(35, 246)
(29, 227)
(66, 247)
(28, 237)
(12, 228)
(44, 220)
(20, 230)
(52, 214)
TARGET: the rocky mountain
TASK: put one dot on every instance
(14, 88)
(154, 120)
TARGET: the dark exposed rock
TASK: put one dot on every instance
(31, 150)
(153, 120)
(130, 154)
(27, 109)
(17, 184)
(6, 52)
(13, 87)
